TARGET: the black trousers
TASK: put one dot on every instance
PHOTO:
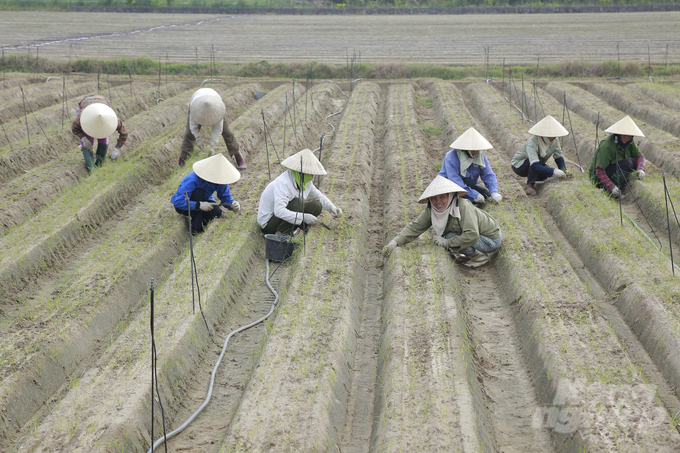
(275, 224)
(200, 219)
(531, 175)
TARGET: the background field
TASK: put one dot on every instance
(567, 342)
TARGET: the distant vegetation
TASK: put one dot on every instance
(148, 66)
(318, 4)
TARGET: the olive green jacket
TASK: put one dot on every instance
(473, 223)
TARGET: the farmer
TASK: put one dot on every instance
(531, 158)
(618, 158)
(210, 175)
(96, 120)
(206, 108)
(459, 226)
(465, 163)
(291, 199)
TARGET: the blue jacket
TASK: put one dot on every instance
(192, 182)
(451, 171)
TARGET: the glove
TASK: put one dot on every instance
(86, 144)
(199, 143)
(389, 247)
(115, 153)
(559, 173)
(616, 193)
(496, 197)
(211, 150)
(310, 219)
(336, 211)
(480, 199)
(205, 206)
(236, 206)
(640, 174)
(440, 241)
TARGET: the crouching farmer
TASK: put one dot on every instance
(618, 158)
(291, 200)
(211, 175)
(96, 121)
(459, 226)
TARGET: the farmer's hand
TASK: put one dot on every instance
(559, 173)
(236, 206)
(616, 193)
(86, 144)
(496, 197)
(199, 143)
(389, 247)
(115, 153)
(336, 211)
(640, 174)
(440, 241)
(310, 219)
(480, 199)
(205, 206)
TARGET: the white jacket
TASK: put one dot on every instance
(280, 192)
(195, 127)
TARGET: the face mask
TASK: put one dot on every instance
(303, 184)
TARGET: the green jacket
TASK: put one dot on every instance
(473, 223)
(607, 152)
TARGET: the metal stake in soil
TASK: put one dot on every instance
(23, 99)
(154, 376)
(668, 219)
(266, 146)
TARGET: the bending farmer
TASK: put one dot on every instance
(206, 108)
(465, 163)
(531, 158)
(618, 158)
(291, 199)
(211, 175)
(458, 225)
(96, 120)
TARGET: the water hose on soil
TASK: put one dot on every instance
(193, 416)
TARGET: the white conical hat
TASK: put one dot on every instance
(304, 162)
(471, 140)
(207, 110)
(440, 185)
(625, 126)
(217, 170)
(548, 127)
(98, 120)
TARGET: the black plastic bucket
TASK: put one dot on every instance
(278, 247)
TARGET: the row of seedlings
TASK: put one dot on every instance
(56, 328)
(587, 382)
(501, 370)
(296, 399)
(50, 134)
(224, 254)
(27, 194)
(428, 397)
(667, 94)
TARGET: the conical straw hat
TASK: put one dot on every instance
(217, 170)
(98, 120)
(471, 140)
(208, 110)
(625, 126)
(304, 162)
(440, 185)
(548, 127)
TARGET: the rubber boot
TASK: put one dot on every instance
(529, 190)
(240, 161)
(89, 159)
(478, 259)
(101, 154)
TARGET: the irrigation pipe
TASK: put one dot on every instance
(214, 371)
(210, 80)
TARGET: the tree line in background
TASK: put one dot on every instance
(319, 4)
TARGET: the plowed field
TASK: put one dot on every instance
(568, 341)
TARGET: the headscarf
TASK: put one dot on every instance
(466, 160)
(618, 141)
(303, 184)
(543, 145)
(441, 218)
